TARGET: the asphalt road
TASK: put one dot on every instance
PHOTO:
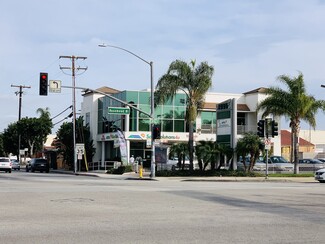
(60, 208)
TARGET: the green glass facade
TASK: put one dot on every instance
(170, 116)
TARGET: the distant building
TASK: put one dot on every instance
(306, 149)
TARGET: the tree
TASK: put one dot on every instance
(194, 81)
(294, 104)
(33, 131)
(207, 153)
(226, 153)
(181, 151)
(10, 139)
(249, 144)
(64, 141)
(2, 152)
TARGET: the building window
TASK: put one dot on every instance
(208, 122)
(241, 123)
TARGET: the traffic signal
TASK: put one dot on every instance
(275, 128)
(261, 128)
(156, 132)
(43, 83)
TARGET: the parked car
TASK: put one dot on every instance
(321, 159)
(320, 175)
(38, 164)
(5, 164)
(172, 164)
(15, 164)
(310, 164)
(279, 163)
(259, 165)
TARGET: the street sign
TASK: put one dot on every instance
(80, 148)
(267, 143)
(118, 110)
(55, 86)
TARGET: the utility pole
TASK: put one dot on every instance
(73, 71)
(20, 93)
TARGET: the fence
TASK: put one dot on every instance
(107, 165)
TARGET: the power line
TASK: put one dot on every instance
(61, 112)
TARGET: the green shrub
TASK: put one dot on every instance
(198, 173)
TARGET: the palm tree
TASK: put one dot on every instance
(249, 144)
(194, 81)
(294, 104)
(181, 151)
(207, 153)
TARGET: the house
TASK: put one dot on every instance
(306, 149)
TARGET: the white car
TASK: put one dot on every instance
(279, 163)
(320, 175)
(5, 164)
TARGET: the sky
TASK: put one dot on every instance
(248, 42)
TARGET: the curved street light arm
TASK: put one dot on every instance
(106, 45)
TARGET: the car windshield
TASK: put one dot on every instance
(316, 161)
(278, 160)
(4, 160)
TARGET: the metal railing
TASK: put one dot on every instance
(107, 165)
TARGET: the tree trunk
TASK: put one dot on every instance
(191, 145)
(296, 128)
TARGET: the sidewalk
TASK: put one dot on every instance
(146, 176)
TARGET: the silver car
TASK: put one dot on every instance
(5, 164)
(258, 166)
(320, 175)
(15, 164)
(278, 163)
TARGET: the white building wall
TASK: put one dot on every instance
(90, 105)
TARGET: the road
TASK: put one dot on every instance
(59, 208)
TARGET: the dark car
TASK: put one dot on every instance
(38, 164)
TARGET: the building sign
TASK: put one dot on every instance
(224, 126)
(225, 122)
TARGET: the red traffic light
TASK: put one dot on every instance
(43, 84)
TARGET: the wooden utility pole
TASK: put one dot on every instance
(73, 71)
(20, 93)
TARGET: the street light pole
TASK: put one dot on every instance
(153, 164)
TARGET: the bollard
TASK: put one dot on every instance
(140, 171)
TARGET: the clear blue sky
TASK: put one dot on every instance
(249, 43)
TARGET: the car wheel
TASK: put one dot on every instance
(27, 169)
(47, 171)
(9, 171)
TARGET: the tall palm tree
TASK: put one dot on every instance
(294, 104)
(194, 81)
